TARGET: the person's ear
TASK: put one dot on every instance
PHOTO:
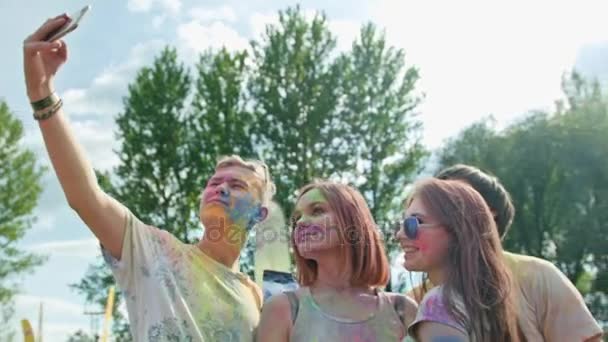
(261, 214)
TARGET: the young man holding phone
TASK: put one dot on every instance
(173, 291)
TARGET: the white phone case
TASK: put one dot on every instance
(70, 26)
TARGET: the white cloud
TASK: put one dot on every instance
(346, 32)
(99, 141)
(259, 21)
(478, 58)
(158, 21)
(45, 222)
(223, 13)
(195, 37)
(171, 6)
(139, 5)
(103, 96)
(84, 248)
(95, 107)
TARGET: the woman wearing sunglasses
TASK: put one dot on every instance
(448, 233)
(341, 266)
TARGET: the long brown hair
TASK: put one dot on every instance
(476, 271)
(362, 250)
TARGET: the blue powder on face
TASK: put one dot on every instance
(244, 209)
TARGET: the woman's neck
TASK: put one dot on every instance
(332, 273)
(437, 276)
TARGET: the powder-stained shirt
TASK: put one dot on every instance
(549, 307)
(175, 292)
(432, 309)
(315, 325)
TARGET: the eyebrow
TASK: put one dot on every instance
(420, 215)
(309, 205)
(228, 179)
(236, 180)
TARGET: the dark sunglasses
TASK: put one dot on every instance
(411, 225)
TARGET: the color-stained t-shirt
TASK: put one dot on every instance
(432, 309)
(549, 307)
(175, 292)
(314, 325)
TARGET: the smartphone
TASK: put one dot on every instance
(276, 282)
(69, 26)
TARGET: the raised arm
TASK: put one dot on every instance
(101, 213)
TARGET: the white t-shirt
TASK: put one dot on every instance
(175, 292)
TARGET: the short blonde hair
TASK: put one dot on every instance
(259, 168)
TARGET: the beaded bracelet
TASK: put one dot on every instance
(50, 112)
(45, 102)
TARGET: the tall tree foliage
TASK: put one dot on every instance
(295, 102)
(19, 192)
(296, 88)
(555, 165)
(379, 112)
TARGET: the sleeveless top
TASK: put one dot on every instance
(312, 324)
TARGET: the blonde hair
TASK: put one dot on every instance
(259, 168)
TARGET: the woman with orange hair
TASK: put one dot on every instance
(341, 268)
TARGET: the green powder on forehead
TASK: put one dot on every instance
(314, 195)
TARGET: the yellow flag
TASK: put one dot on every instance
(28, 334)
(108, 316)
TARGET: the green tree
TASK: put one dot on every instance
(471, 145)
(379, 112)
(221, 121)
(169, 147)
(154, 164)
(296, 89)
(555, 165)
(81, 336)
(221, 124)
(287, 104)
(19, 192)
(154, 154)
(324, 115)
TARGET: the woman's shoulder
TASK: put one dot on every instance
(402, 300)
(405, 306)
(277, 309)
(433, 309)
(280, 304)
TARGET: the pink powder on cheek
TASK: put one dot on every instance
(431, 241)
(424, 240)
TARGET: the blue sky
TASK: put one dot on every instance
(475, 59)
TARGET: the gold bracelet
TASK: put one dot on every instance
(50, 112)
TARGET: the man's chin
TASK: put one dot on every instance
(214, 210)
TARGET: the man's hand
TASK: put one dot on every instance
(42, 59)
